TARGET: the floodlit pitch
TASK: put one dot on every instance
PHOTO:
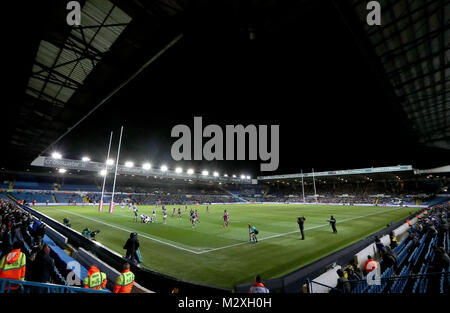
(211, 255)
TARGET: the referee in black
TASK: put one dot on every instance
(301, 221)
(332, 221)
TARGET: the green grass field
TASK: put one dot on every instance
(211, 255)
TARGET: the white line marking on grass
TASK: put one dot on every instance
(296, 231)
(224, 247)
(130, 231)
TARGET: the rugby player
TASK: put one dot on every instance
(253, 232)
(225, 219)
(165, 215)
(135, 211)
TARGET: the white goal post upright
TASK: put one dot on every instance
(314, 184)
(100, 207)
(303, 188)
(111, 205)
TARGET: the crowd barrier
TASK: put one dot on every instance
(371, 250)
(329, 278)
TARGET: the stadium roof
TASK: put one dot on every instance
(71, 70)
(367, 175)
(97, 167)
(361, 171)
(61, 66)
(412, 48)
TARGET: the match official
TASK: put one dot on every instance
(300, 221)
(332, 221)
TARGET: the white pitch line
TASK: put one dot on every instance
(295, 231)
(224, 247)
(130, 231)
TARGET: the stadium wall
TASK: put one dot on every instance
(328, 278)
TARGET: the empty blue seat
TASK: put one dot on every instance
(401, 281)
(359, 286)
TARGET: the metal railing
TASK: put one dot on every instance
(21, 286)
(311, 282)
(398, 283)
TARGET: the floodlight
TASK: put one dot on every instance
(129, 164)
(190, 171)
(146, 166)
(226, 175)
(205, 173)
(56, 155)
(62, 170)
(178, 170)
(109, 162)
(215, 174)
(234, 176)
(102, 172)
(163, 168)
(248, 177)
(85, 159)
(242, 176)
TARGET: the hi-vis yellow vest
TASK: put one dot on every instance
(95, 280)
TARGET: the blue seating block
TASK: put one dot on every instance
(62, 259)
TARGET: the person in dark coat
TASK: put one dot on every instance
(35, 249)
(332, 221)
(389, 258)
(343, 285)
(24, 229)
(131, 246)
(380, 246)
(39, 231)
(44, 266)
(441, 259)
(301, 221)
(5, 240)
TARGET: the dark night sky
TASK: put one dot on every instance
(305, 74)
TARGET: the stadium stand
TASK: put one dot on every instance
(422, 262)
(17, 226)
(151, 191)
(38, 196)
(371, 192)
(72, 187)
(68, 198)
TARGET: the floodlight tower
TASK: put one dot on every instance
(111, 205)
(100, 207)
